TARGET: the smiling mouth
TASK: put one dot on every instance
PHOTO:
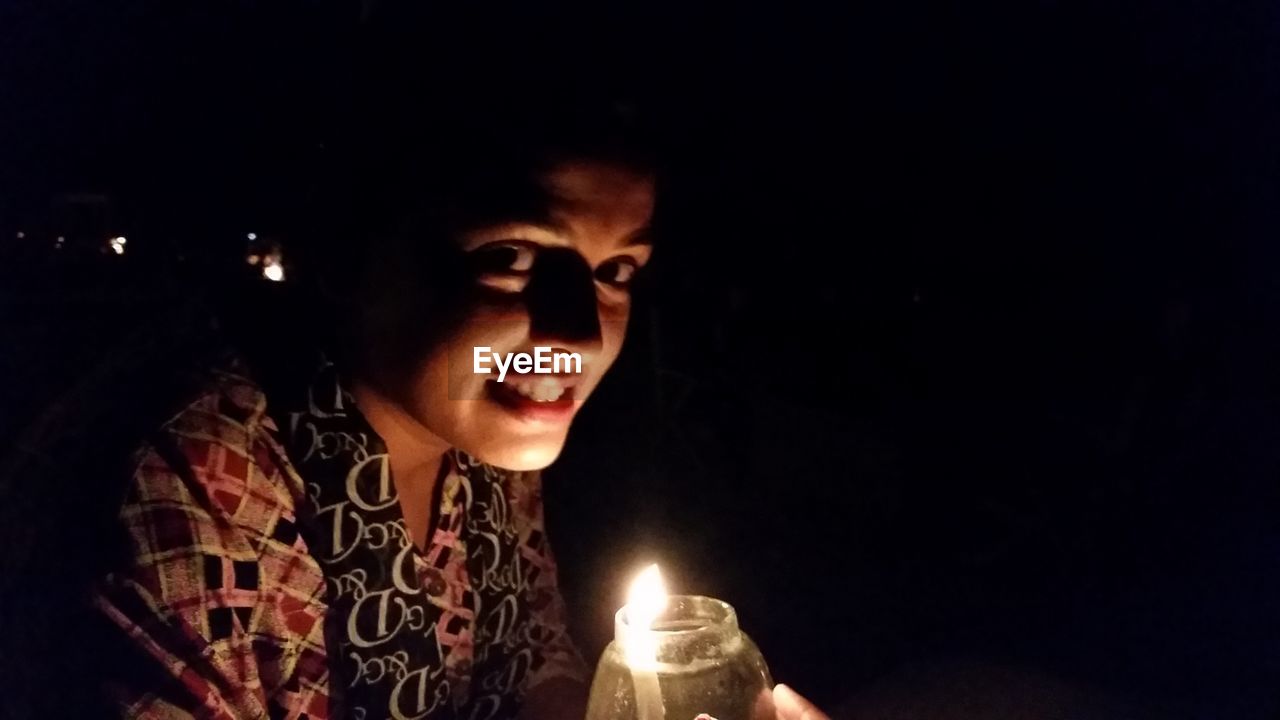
(535, 397)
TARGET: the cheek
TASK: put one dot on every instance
(501, 332)
(433, 381)
(613, 331)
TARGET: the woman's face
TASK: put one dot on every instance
(552, 271)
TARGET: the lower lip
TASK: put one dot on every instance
(559, 410)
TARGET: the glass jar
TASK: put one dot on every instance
(705, 667)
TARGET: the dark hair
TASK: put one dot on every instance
(428, 129)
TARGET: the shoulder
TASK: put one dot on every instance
(214, 476)
(230, 409)
(219, 586)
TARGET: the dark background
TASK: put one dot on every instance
(959, 344)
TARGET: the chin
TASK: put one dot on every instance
(521, 456)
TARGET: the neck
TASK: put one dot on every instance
(414, 452)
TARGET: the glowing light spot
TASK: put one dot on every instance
(273, 271)
(646, 600)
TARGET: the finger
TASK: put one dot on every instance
(791, 706)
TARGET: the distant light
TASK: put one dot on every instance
(122, 240)
(21, 234)
(252, 259)
(253, 236)
(273, 271)
(118, 249)
(61, 239)
(117, 244)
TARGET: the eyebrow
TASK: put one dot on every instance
(640, 236)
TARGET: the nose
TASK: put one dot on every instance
(561, 299)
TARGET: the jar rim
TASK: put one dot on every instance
(704, 615)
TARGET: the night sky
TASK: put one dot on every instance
(960, 339)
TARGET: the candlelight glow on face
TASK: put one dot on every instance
(646, 600)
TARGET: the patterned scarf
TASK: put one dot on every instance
(441, 633)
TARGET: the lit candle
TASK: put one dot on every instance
(645, 601)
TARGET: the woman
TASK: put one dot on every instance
(346, 522)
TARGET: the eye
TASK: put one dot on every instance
(506, 257)
(617, 272)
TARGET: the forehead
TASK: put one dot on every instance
(597, 194)
(578, 202)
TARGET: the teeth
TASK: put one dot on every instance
(546, 390)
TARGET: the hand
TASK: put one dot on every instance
(790, 706)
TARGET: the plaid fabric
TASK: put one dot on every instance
(223, 600)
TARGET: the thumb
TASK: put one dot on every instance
(791, 706)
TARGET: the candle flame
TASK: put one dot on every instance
(646, 599)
